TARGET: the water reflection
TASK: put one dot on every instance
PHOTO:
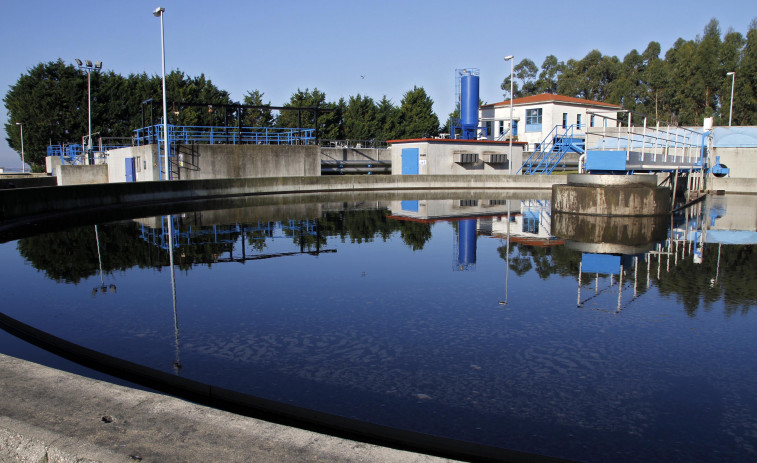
(359, 307)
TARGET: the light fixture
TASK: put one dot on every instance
(159, 13)
(733, 83)
(87, 66)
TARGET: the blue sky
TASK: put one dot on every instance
(278, 47)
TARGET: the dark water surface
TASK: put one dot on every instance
(420, 314)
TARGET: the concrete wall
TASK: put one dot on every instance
(437, 157)
(19, 203)
(202, 162)
(742, 161)
(82, 175)
(355, 154)
(52, 164)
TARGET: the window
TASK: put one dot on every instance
(591, 121)
(501, 127)
(533, 120)
(578, 120)
(489, 128)
(564, 120)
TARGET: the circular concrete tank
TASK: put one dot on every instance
(611, 195)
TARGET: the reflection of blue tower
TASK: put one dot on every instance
(466, 244)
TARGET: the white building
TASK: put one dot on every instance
(534, 117)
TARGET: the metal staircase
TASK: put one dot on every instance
(552, 150)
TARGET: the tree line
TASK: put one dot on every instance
(51, 101)
(689, 83)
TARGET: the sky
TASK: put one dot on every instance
(342, 48)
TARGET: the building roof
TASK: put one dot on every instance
(455, 141)
(550, 98)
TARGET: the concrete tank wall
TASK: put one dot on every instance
(202, 162)
(82, 175)
(611, 195)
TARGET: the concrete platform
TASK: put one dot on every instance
(47, 415)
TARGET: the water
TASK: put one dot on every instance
(417, 312)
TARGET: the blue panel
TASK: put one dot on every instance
(409, 161)
(607, 264)
(533, 127)
(130, 174)
(605, 160)
(410, 206)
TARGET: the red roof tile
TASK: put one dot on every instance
(549, 97)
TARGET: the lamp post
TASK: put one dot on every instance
(159, 13)
(510, 156)
(23, 164)
(733, 83)
(88, 68)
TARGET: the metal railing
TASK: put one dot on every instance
(662, 142)
(180, 134)
(326, 143)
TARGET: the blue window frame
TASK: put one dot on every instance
(564, 120)
(533, 120)
(591, 121)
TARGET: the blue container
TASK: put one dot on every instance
(469, 105)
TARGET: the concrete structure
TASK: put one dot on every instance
(50, 415)
(737, 148)
(535, 116)
(16, 204)
(206, 161)
(611, 195)
(434, 156)
(82, 175)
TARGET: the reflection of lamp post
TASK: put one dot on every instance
(102, 287)
(88, 68)
(23, 164)
(507, 256)
(733, 83)
(159, 13)
(177, 361)
(510, 156)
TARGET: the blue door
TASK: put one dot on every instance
(515, 128)
(130, 175)
(409, 161)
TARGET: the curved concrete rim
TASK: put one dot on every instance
(612, 180)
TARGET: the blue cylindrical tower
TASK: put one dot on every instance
(469, 106)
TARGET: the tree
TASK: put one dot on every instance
(50, 100)
(257, 117)
(418, 118)
(388, 120)
(550, 72)
(745, 94)
(360, 118)
(329, 124)
(525, 72)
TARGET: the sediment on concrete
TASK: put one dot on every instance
(17, 204)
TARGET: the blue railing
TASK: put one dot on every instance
(182, 134)
(552, 150)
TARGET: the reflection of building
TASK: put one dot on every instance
(531, 225)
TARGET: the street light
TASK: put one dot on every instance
(23, 164)
(510, 156)
(733, 83)
(88, 68)
(159, 13)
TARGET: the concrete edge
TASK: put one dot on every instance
(50, 415)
